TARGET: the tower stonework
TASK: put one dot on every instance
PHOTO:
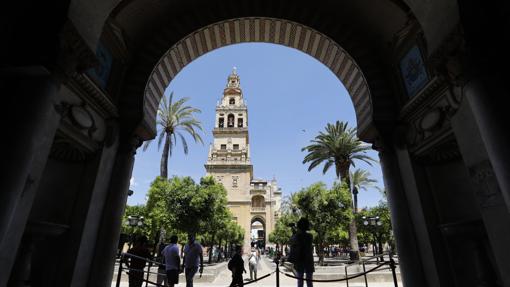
(229, 162)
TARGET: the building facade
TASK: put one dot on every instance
(250, 200)
(428, 88)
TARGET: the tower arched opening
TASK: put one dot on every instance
(258, 232)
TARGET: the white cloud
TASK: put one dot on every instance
(132, 182)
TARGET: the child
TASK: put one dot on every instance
(236, 265)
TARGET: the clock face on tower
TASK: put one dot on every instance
(413, 71)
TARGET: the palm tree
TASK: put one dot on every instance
(360, 180)
(338, 146)
(383, 192)
(174, 118)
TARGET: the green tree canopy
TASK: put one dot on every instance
(372, 233)
(283, 232)
(338, 146)
(326, 209)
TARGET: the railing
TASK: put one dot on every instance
(379, 263)
(379, 266)
(230, 162)
(258, 209)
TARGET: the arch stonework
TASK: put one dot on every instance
(259, 29)
(260, 218)
(443, 150)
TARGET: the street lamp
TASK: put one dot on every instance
(134, 221)
(375, 224)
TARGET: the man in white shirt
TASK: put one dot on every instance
(192, 258)
(252, 263)
(172, 261)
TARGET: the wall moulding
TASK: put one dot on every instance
(93, 95)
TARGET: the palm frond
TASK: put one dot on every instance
(336, 145)
(184, 143)
(146, 145)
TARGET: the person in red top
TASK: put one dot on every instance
(135, 264)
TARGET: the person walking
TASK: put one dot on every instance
(193, 258)
(236, 265)
(161, 277)
(301, 253)
(172, 261)
(136, 263)
(253, 262)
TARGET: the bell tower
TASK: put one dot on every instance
(229, 155)
(252, 201)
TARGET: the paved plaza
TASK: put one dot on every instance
(265, 266)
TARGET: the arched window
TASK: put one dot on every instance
(230, 121)
(232, 101)
(258, 201)
(239, 122)
(221, 123)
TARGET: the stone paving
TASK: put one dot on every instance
(267, 266)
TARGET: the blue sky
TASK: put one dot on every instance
(290, 97)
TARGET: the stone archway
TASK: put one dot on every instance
(374, 33)
(267, 30)
(259, 238)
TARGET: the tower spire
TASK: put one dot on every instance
(233, 81)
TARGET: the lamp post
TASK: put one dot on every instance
(374, 224)
(134, 221)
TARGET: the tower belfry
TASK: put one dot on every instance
(230, 151)
(250, 200)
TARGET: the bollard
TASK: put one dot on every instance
(277, 273)
(392, 266)
(346, 277)
(365, 275)
(119, 272)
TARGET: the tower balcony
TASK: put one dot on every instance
(257, 191)
(258, 209)
(230, 130)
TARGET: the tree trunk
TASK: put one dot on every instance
(353, 230)
(353, 239)
(355, 197)
(321, 254)
(211, 250)
(164, 157)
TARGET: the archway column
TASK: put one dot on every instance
(482, 96)
(31, 95)
(486, 185)
(412, 271)
(91, 220)
(111, 221)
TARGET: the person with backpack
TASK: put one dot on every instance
(236, 265)
(253, 262)
(301, 253)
